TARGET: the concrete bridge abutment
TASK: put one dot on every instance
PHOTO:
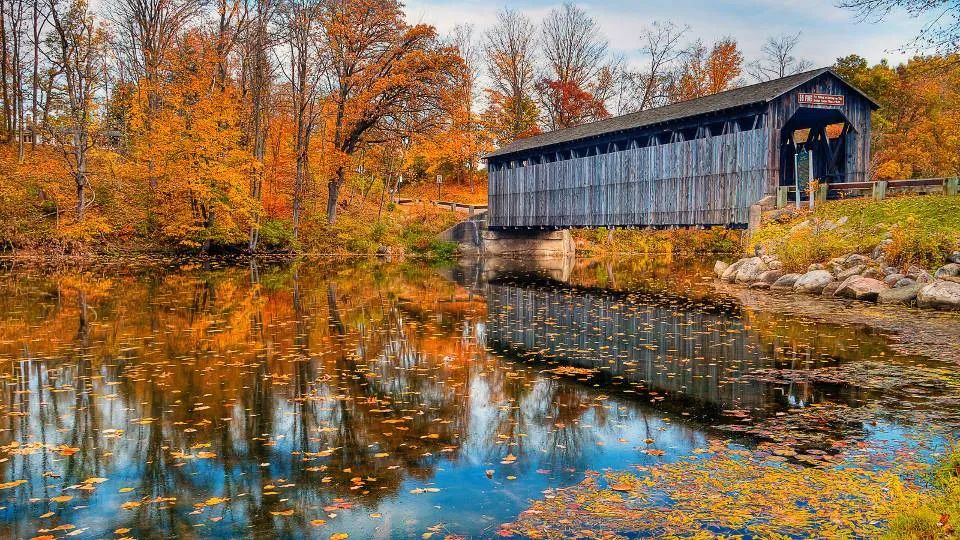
(528, 243)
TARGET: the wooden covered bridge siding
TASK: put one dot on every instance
(709, 180)
(695, 163)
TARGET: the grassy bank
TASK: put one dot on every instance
(936, 512)
(922, 230)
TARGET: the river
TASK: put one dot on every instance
(400, 400)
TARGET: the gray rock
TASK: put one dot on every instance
(775, 265)
(730, 273)
(750, 270)
(842, 221)
(719, 267)
(786, 281)
(940, 294)
(770, 276)
(954, 257)
(892, 279)
(855, 258)
(813, 282)
(947, 270)
(924, 277)
(873, 272)
(851, 271)
(860, 288)
(901, 295)
(905, 282)
(816, 266)
(890, 270)
(914, 271)
(830, 288)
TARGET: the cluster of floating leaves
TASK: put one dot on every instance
(723, 491)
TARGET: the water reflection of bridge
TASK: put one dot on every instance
(658, 344)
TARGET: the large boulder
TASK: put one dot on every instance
(860, 288)
(719, 267)
(947, 270)
(750, 270)
(901, 295)
(786, 281)
(813, 282)
(940, 294)
(730, 273)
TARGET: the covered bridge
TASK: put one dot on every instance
(699, 162)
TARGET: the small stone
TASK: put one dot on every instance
(816, 266)
(851, 271)
(873, 272)
(905, 282)
(759, 285)
(892, 279)
(786, 281)
(954, 257)
(855, 258)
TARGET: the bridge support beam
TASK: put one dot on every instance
(524, 243)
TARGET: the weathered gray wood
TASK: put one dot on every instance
(707, 181)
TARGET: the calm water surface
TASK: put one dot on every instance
(390, 401)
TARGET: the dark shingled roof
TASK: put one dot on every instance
(737, 97)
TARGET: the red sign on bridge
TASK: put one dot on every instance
(820, 99)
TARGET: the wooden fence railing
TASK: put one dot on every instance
(877, 190)
(470, 209)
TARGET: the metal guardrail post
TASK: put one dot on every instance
(951, 186)
(782, 194)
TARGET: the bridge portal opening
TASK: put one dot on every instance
(814, 144)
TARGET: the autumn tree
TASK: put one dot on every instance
(648, 86)
(509, 49)
(258, 72)
(385, 78)
(778, 59)
(941, 32)
(913, 130)
(707, 71)
(75, 46)
(307, 62)
(579, 75)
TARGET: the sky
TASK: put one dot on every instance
(827, 32)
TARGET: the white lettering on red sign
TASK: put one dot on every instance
(820, 99)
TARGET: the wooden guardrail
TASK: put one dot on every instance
(878, 189)
(470, 209)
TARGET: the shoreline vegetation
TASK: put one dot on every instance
(901, 251)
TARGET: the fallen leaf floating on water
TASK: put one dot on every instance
(15, 483)
(339, 536)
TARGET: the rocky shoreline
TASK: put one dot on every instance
(854, 276)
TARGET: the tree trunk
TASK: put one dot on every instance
(333, 194)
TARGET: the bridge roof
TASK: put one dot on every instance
(743, 96)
